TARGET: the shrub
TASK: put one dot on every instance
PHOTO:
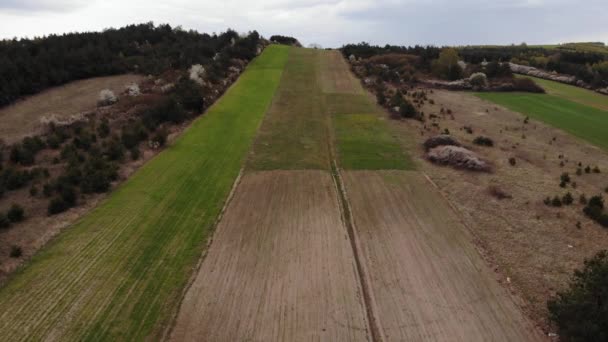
(407, 110)
(595, 210)
(483, 141)
(556, 202)
(135, 153)
(588, 169)
(16, 251)
(526, 84)
(98, 175)
(188, 93)
(568, 199)
(582, 199)
(115, 150)
(57, 205)
(580, 311)
(104, 128)
(33, 191)
(47, 190)
(512, 161)
(596, 170)
(160, 137)
(15, 213)
(4, 221)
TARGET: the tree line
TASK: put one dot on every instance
(28, 66)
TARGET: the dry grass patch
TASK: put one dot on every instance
(23, 118)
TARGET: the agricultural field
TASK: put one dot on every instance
(425, 274)
(119, 272)
(585, 122)
(23, 118)
(572, 93)
(280, 267)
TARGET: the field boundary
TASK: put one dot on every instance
(171, 323)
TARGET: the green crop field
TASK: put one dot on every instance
(365, 143)
(576, 94)
(585, 122)
(295, 132)
(118, 274)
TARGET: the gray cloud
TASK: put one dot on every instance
(34, 6)
(329, 22)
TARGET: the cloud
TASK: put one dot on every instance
(33, 6)
(330, 23)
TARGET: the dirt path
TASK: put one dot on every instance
(280, 267)
(427, 280)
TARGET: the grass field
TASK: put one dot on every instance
(295, 132)
(576, 94)
(585, 122)
(118, 273)
(365, 143)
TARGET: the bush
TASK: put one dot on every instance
(57, 205)
(407, 110)
(135, 153)
(16, 251)
(160, 138)
(98, 175)
(568, 199)
(15, 213)
(526, 84)
(580, 311)
(595, 210)
(512, 161)
(33, 191)
(115, 150)
(556, 202)
(4, 221)
(189, 94)
(483, 141)
(104, 129)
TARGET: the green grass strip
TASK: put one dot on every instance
(117, 275)
(572, 93)
(585, 122)
(365, 143)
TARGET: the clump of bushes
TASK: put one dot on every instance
(595, 210)
(16, 251)
(483, 141)
(580, 312)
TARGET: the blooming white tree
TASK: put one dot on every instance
(133, 90)
(106, 98)
(197, 72)
(479, 79)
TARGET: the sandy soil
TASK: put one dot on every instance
(533, 247)
(23, 118)
(427, 279)
(280, 267)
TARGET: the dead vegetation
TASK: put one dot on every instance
(458, 157)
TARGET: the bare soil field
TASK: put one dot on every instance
(23, 118)
(428, 281)
(533, 247)
(280, 267)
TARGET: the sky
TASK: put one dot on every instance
(330, 23)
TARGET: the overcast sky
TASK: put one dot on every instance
(330, 23)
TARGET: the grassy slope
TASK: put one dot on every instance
(582, 121)
(576, 94)
(364, 140)
(295, 132)
(118, 273)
